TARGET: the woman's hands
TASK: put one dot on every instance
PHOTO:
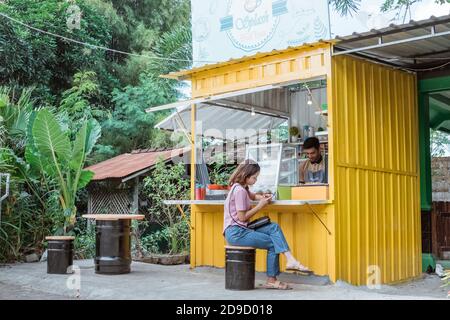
(265, 200)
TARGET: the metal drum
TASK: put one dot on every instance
(59, 256)
(240, 268)
(113, 246)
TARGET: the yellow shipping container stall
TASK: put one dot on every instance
(368, 230)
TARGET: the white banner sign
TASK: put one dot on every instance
(226, 29)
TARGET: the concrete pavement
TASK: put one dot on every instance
(150, 281)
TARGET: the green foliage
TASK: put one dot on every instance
(78, 102)
(219, 170)
(177, 236)
(345, 7)
(294, 131)
(124, 85)
(129, 126)
(440, 143)
(30, 211)
(84, 243)
(349, 7)
(77, 83)
(220, 174)
(168, 182)
(45, 61)
(14, 117)
(23, 224)
(158, 15)
(55, 156)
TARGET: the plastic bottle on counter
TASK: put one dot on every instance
(311, 131)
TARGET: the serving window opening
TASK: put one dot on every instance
(269, 125)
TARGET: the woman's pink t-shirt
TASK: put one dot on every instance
(238, 199)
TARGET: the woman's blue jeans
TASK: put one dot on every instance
(269, 237)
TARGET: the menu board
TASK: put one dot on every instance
(268, 157)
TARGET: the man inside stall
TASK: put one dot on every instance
(314, 169)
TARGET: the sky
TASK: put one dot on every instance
(369, 16)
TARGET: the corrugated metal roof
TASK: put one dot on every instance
(430, 49)
(129, 163)
(186, 74)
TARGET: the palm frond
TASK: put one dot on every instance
(345, 7)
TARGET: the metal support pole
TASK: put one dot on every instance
(5, 194)
(135, 206)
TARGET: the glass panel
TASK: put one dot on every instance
(289, 166)
(268, 158)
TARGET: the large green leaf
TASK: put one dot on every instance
(93, 133)
(85, 140)
(2, 102)
(79, 149)
(85, 177)
(49, 138)
(39, 164)
(15, 165)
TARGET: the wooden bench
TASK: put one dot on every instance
(239, 267)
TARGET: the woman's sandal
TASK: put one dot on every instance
(298, 269)
(278, 285)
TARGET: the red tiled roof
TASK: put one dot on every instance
(129, 163)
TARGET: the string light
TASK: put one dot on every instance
(91, 46)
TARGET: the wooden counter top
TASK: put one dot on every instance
(273, 203)
(114, 216)
(60, 238)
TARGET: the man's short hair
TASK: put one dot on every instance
(311, 142)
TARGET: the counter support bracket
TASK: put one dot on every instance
(317, 216)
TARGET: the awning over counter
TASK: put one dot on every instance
(222, 122)
(233, 115)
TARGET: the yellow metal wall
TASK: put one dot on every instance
(307, 238)
(376, 171)
(291, 65)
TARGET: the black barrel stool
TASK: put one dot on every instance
(239, 268)
(113, 242)
(59, 254)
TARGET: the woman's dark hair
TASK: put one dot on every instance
(245, 170)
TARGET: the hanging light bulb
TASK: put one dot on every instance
(253, 111)
(309, 100)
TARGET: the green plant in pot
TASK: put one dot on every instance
(219, 174)
(171, 241)
(293, 132)
(51, 152)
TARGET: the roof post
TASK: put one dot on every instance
(135, 207)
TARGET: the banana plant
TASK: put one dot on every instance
(50, 151)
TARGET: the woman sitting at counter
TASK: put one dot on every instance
(237, 213)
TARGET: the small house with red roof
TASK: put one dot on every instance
(114, 189)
